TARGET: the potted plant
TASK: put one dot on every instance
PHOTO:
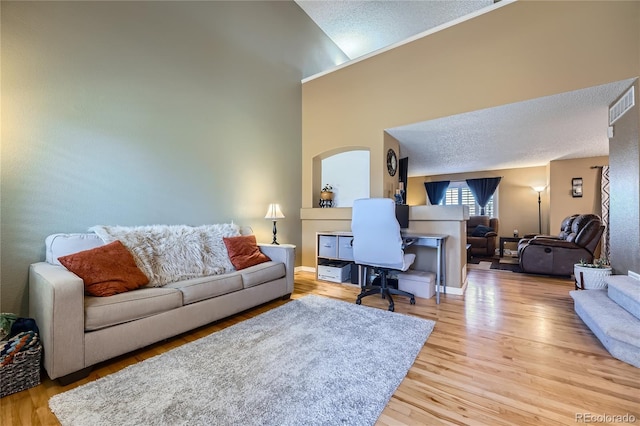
(590, 276)
(326, 192)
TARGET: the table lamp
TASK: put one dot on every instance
(274, 213)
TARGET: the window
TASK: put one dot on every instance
(459, 193)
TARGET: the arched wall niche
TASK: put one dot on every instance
(347, 170)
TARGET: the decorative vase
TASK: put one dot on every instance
(326, 195)
(590, 278)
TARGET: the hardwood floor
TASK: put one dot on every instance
(511, 351)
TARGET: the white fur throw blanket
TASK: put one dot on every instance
(169, 253)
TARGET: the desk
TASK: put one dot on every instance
(507, 240)
(333, 248)
(436, 241)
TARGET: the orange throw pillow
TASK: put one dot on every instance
(244, 251)
(106, 270)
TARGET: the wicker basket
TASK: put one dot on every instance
(23, 373)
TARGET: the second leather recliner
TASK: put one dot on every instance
(556, 255)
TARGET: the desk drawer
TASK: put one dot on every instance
(345, 248)
(328, 246)
(425, 242)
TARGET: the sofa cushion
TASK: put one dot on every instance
(172, 253)
(244, 252)
(262, 273)
(106, 270)
(201, 288)
(481, 230)
(57, 245)
(101, 312)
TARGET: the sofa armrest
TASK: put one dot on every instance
(494, 223)
(56, 302)
(490, 234)
(285, 253)
(553, 243)
(547, 237)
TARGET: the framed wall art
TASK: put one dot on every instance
(576, 187)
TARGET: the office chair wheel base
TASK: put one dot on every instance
(412, 301)
(391, 308)
(358, 301)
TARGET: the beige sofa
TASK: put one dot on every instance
(79, 331)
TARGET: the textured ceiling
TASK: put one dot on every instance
(361, 27)
(525, 134)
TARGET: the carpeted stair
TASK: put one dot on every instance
(613, 314)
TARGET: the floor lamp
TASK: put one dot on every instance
(274, 213)
(539, 189)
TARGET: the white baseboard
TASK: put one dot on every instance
(634, 275)
(304, 269)
(458, 291)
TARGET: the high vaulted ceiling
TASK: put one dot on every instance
(525, 134)
(361, 27)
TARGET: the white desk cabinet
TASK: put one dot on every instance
(333, 248)
(337, 247)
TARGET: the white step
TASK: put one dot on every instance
(625, 291)
(614, 326)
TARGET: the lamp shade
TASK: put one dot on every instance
(538, 188)
(274, 212)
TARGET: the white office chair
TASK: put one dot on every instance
(377, 243)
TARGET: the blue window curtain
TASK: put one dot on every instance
(436, 191)
(483, 189)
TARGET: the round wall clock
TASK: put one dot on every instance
(392, 162)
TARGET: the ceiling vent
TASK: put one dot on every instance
(624, 104)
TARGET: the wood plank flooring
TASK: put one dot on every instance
(511, 351)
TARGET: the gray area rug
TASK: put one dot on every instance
(312, 361)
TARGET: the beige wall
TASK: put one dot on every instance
(562, 202)
(494, 59)
(521, 51)
(136, 113)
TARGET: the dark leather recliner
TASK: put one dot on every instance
(565, 230)
(483, 242)
(557, 255)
